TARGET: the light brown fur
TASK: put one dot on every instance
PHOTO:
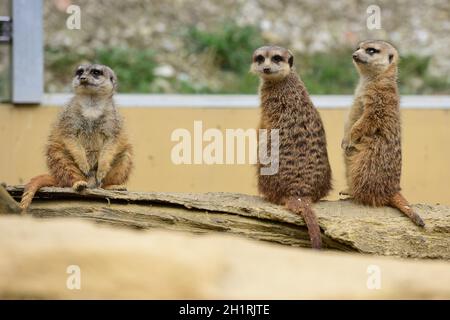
(372, 135)
(304, 174)
(87, 146)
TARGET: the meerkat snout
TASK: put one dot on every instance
(272, 62)
(94, 79)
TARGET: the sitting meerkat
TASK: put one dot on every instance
(304, 173)
(87, 146)
(372, 144)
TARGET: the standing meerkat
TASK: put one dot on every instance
(87, 146)
(304, 173)
(372, 144)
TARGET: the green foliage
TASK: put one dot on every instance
(414, 77)
(333, 73)
(60, 61)
(134, 68)
(329, 72)
(231, 45)
(4, 86)
(230, 49)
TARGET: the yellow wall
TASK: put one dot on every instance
(426, 142)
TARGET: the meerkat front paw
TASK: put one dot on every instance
(349, 150)
(102, 171)
(79, 186)
(85, 169)
(344, 144)
(99, 178)
(92, 182)
(355, 136)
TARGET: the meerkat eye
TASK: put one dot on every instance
(259, 58)
(371, 51)
(79, 72)
(277, 58)
(96, 72)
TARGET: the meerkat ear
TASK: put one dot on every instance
(391, 56)
(291, 60)
(112, 77)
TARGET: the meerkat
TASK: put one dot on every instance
(372, 134)
(304, 173)
(87, 146)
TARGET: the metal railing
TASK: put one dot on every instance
(243, 101)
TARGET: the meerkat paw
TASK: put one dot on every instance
(100, 176)
(116, 187)
(92, 182)
(344, 144)
(79, 186)
(84, 167)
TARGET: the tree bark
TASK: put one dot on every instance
(345, 226)
(7, 203)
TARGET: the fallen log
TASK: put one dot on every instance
(345, 226)
(7, 203)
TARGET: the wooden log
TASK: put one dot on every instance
(345, 225)
(7, 203)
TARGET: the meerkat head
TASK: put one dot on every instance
(94, 79)
(272, 62)
(375, 56)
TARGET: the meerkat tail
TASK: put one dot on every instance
(399, 202)
(44, 180)
(303, 206)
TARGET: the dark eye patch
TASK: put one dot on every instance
(79, 72)
(372, 51)
(277, 58)
(259, 58)
(96, 72)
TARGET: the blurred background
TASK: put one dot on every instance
(180, 46)
(177, 47)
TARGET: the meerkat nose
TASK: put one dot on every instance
(266, 70)
(355, 56)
